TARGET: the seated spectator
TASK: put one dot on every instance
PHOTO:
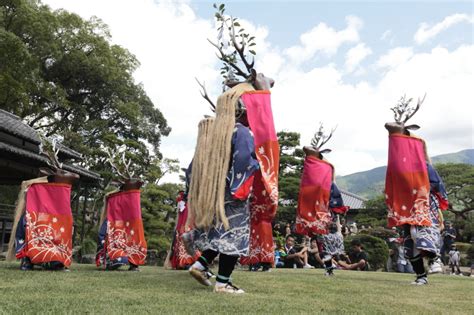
(358, 260)
(291, 257)
(353, 228)
(314, 258)
(279, 254)
(344, 228)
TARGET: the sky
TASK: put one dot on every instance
(343, 63)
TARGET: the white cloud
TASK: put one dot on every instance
(303, 98)
(425, 32)
(386, 35)
(323, 38)
(170, 41)
(356, 55)
(394, 57)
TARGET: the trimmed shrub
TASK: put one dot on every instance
(375, 247)
(463, 247)
(380, 232)
(470, 255)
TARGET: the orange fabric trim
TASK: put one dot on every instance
(258, 92)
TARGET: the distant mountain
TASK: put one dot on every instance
(371, 183)
(464, 156)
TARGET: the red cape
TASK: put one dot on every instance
(407, 186)
(48, 223)
(313, 215)
(180, 258)
(264, 203)
(125, 235)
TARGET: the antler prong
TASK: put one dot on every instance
(326, 139)
(204, 94)
(111, 160)
(402, 112)
(226, 59)
(409, 112)
(319, 138)
(240, 49)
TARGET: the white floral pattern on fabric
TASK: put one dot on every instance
(45, 241)
(118, 240)
(268, 169)
(419, 212)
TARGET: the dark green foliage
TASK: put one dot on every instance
(62, 75)
(470, 254)
(375, 213)
(380, 232)
(459, 181)
(159, 213)
(291, 163)
(9, 194)
(375, 247)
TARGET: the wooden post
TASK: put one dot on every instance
(4, 228)
(75, 213)
(84, 209)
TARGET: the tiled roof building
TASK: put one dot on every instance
(20, 159)
(20, 156)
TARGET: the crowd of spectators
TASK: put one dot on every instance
(297, 251)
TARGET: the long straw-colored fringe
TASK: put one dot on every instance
(103, 213)
(198, 172)
(19, 210)
(211, 162)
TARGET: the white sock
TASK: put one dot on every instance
(199, 266)
(220, 284)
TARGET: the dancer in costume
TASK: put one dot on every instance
(43, 223)
(414, 192)
(320, 201)
(233, 193)
(121, 235)
(178, 256)
(233, 224)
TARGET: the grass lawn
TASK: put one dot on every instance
(155, 290)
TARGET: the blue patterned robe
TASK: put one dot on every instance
(235, 240)
(427, 238)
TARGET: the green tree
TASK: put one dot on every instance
(374, 214)
(459, 181)
(291, 163)
(158, 212)
(63, 76)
